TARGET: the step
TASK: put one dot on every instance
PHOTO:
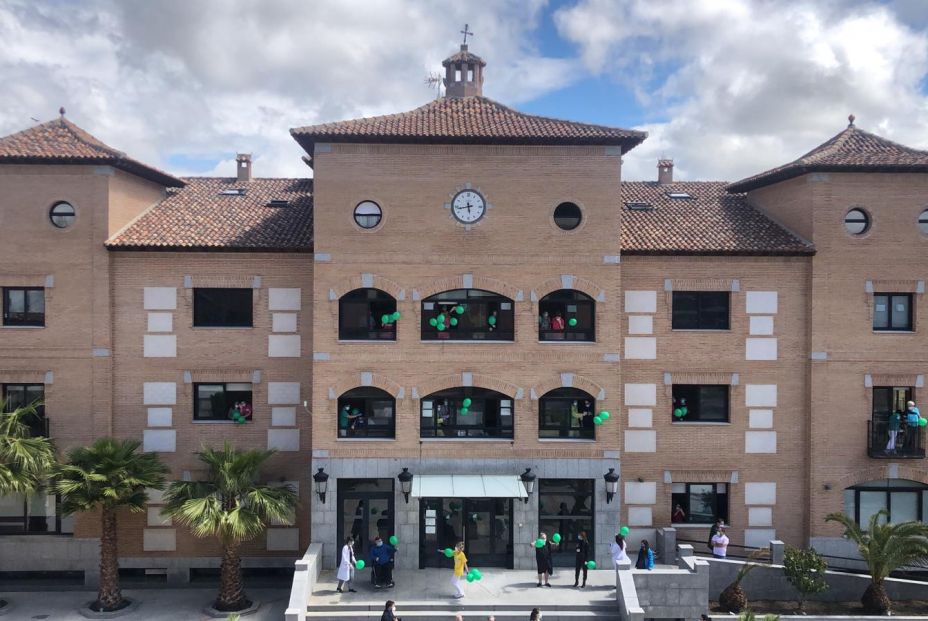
(461, 606)
(469, 615)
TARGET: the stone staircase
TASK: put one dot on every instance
(476, 611)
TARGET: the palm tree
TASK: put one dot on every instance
(733, 598)
(108, 475)
(885, 548)
(231, 506)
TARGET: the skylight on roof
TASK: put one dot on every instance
(278, 202)
(233, 192)
(679, 195)
(639, 206)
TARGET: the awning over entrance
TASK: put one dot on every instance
(468, 486)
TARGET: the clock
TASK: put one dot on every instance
(468, 206)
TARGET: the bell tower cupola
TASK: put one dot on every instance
(464, 72)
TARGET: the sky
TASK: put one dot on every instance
(726, 88)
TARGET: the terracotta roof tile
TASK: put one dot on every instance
(466, 120)
(712, 222)
(853, 150)
(199, 216)
(62, 142)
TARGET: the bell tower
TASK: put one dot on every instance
(464, 72)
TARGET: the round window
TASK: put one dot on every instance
(857, 222)
(62, 215)
(567, 216)
(367, 214)
(923, 222)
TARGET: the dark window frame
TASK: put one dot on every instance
(383, 303)
(584, 429)
(479, 304)
(570, 220)
(216, 307)
(866, 220)
(437, 423)
(229, 401)
(52, 214)
(560, 301)
(30, 318)
(720, 502)
(39, 423)
(890, 301)
(700, 315)
(363, 219)
(695, 400)
(364, 400)
(871, 486)
(565, 549)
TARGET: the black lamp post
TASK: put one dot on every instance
(612, 484)
(405, 478)
(321, 483)
(528, 480)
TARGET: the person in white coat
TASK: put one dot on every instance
(617, 551)
(346, 566)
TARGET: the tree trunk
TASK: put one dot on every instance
(733, 598)
(109, 596)
(875, 599)
(231, 585)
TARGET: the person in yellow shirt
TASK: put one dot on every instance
(460, 569)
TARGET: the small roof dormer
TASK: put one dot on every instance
(463, 74)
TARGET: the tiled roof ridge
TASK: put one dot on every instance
(556, 119)
(216, 178)
(89, 139)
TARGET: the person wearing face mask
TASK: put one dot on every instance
(582, 550)
(543, 560)
(911, 425)
(382, 560)
(389, 611)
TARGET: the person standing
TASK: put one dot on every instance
(535, 615)
(460, 568)
(912, 415)
(720, 543)
(713, 531)
(389, 612)
(346, 566)
(582, 552)
(892, 426)
(645, 556)
(678, 516)
(543, 560)
(617, 550)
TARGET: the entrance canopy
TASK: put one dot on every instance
(468, 486)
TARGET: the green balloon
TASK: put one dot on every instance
(449, 552)
(359, 564)
(395, 315)
(385, 319)
(459, 309)
(470, 577)
(922, 422)
(441, 327)
(597, 420)
(591, 564)
(572, 322)
(463, 411)
(467, 402)
(685, 410)
(539, 543)
(393, 540)
(604, 415)
(556, 537)
(453, 321)
(491, 320)
(624, 531)
(433, 322)
(477, 573)
(678, 412)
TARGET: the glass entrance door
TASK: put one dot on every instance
(365, 511)
(483, 524)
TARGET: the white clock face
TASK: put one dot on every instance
(468, 206)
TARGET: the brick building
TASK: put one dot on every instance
(457, 295)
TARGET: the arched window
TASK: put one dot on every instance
(366, 412)
(566, 413)
(905, 501)
(466, 413)
(467, 315)
(367, 315)
(566, 315)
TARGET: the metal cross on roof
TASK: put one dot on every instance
(465, 32)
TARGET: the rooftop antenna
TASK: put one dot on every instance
(433, 80)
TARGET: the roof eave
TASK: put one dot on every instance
(720, 253)
(237, 249)
(765, 179)
(135, 168)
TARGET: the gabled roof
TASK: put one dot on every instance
(463, 56)
(62, 142)
(711, 222)
(852, 150)
(466, 120)
(200, 216)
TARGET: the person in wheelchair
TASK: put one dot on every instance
(382, 563)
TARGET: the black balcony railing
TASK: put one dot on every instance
(909, 441)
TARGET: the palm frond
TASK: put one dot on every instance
(25, 461)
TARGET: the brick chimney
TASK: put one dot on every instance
(463, 74)
(243, 167)
(664, 171)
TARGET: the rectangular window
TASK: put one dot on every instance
(892, 312)
(23, 306)
(565, 506)
(222, 308)
(221, 401)
(700, 403)
(890, 431)
(444, 415)
(698, 503)
(701, 310)
(19, 395)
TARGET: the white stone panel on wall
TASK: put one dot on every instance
(159, 393)
(760, 441)
(155, 496)
(760, 349)
(760, 419)
(760, 395)
(760, 493)
(640, 441)
(159, 417)
(283, 539)
(640, 324)
(761, 325)
(640, 417)
(283, 322)
(640, 493)
(284, 440)
(159, 540)
(283, 417)
(283, 346)
(283, 299)
(759, 537)
(155, 518)
(160, 322)
(640, 348)
(641, 301)
(640, 516)
(761, 303)
(160, 298)
(159, 440)
(641, 394)
(160, 346)
(283, 393)
(760, 516)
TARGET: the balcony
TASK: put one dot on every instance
(910, 441)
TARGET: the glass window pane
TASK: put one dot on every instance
(16, 300)
(880, 311)
(870, 503)
(35, 300)
(850, 503)
(702, 503)
(903, 507)
(900, 312)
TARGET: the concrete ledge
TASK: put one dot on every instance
(305, 577)
(91, 614)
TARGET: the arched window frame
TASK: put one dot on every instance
(557, 420)
(490, 414)
(372, 303)
(371, 413)
(569, 303)
(473, 324)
